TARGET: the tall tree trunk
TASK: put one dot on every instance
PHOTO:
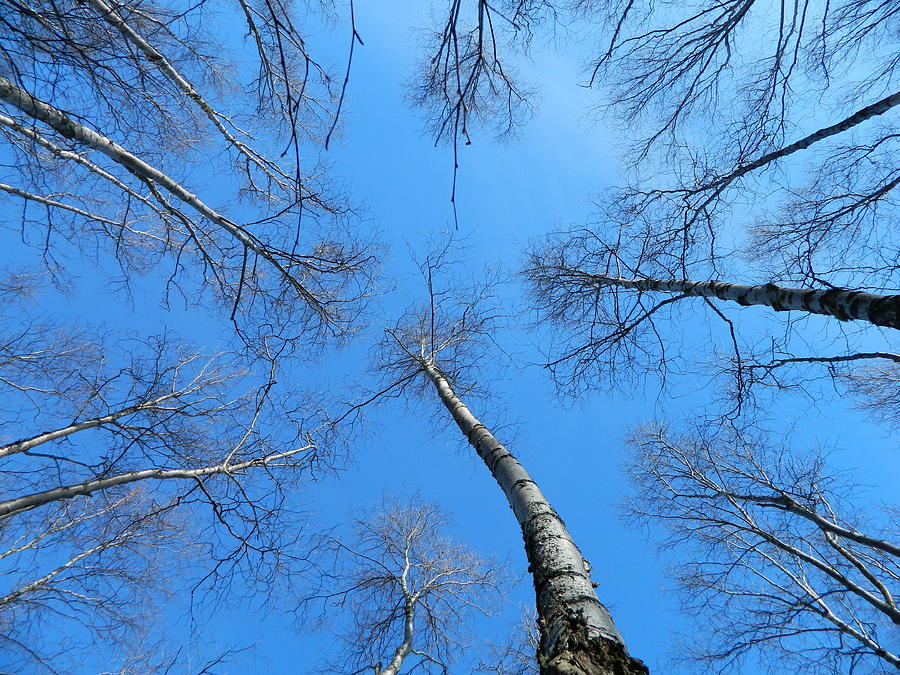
(881, 310)
(405, 647)
(577, 634)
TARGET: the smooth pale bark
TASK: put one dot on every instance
(577, 634)
(70, 128)
(405, 647)
(12, 506)
(47, 436)
(881, 310)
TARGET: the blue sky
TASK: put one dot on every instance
(508, 195)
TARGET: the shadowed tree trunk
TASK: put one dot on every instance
(577, 634)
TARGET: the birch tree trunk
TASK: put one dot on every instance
(13, 506)
(881, 310)
(577, 634)
(405, 647)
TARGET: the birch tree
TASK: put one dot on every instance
(82, 577)
(724, 91)
(131, 467)
(107, 108)
(430, 349)
(171, 144)
(615, 321)
(577, 632)
(407, 590)
(737, 180)
(782, 566)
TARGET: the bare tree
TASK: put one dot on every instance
(469, 78)
(106, 109)
(730, 107)
(516, 655)
(407, 589)
(780, 564)
(880, 310)
(878, 389)
(720, 92)
(113, 115)
(431, 347)
(465, 80)
(124, 458)
(620, 311)
(79, 575)
(168, 414)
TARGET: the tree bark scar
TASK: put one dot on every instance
(856, 305)
(743, 298)
(774, 295)
(720, 290)
(498, 454)
(540, 584)
(525, 481)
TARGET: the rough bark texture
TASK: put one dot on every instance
(577, 634)
(881, 310)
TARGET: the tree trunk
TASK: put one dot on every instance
(405, 647)
(14, 506)
(577, 634)
(48, 436)
(881, 310)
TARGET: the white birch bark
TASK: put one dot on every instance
(47, 436)
(10, 507)
(70, 128)
(405, 647)
(577, 634)
(881, 310)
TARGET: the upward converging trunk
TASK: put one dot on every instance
(881, 310)
(405, 647)
(577, 634)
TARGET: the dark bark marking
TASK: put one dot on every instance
(885, 311)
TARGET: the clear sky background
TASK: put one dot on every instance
(508, 195)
